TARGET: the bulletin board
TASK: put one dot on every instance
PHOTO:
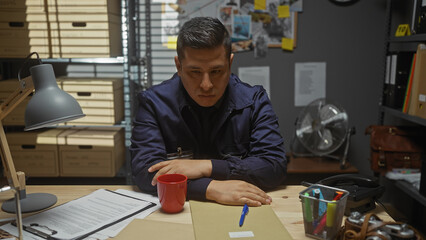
(253, 24)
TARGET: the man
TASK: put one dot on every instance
(229, 127)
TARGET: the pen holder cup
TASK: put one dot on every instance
(323, 208)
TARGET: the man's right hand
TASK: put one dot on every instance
(236, 192)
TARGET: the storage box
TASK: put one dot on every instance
(13, 5)
(31, 157)
(17, 116)
(62, 29)
(417, 106)
(101, 99)
(76, 6)
(53, 6)
(91, 153)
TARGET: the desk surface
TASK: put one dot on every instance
(285, 203)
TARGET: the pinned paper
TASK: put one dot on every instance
(259, 4)
(283, 11)
(287, 44)
(171, 42)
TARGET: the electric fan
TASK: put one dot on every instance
(321, 131)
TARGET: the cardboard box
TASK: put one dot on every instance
(417, 105)
(69, 3)
(65, 34)
(91, 152)
(81, 6)
(59, 52)
(75, 9)
(57, 26)
(8, 16)
(34, 159)
(17, 116)
(8, 34)
(69, 41)
(13, 5)
(62, 17)
(101, 99)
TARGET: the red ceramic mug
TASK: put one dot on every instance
(171, 190)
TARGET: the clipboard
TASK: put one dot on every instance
(215, 221)
(56, 222)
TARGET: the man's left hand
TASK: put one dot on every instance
(192, 168)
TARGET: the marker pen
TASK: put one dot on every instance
(308, 214)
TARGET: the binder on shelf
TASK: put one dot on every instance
(421, 20)
(387, 88)
(417, 105)
(415, 16)
(399, 71)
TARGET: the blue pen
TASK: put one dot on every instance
(243, 214)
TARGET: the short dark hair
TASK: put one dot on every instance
(201, 33)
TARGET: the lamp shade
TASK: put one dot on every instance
(49, 105)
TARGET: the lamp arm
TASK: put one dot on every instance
(26, 88)
(16, 179)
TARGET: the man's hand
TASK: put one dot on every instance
(236, 192)
(192, 168)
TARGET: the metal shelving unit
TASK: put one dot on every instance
(398, 12)
(133, 66)
(399, 114)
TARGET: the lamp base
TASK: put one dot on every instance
(31, 203)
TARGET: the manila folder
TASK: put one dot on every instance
(215, 221)
(155, 230)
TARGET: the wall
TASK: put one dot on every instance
(350, 39)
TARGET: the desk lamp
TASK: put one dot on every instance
(49, 105)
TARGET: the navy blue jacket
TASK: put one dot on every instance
(247, 142)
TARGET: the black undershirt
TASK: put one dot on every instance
(206, 117)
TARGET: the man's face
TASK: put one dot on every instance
(205, 74)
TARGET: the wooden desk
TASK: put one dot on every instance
(285, 202)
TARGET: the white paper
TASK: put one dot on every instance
(163, 1)
(256, 76)
(82, 216)
(309, 82)
(115, 229)
(242, 234)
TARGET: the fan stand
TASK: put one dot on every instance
(341, 154)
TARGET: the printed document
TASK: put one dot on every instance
(82, 217)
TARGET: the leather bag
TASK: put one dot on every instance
(396, 147)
